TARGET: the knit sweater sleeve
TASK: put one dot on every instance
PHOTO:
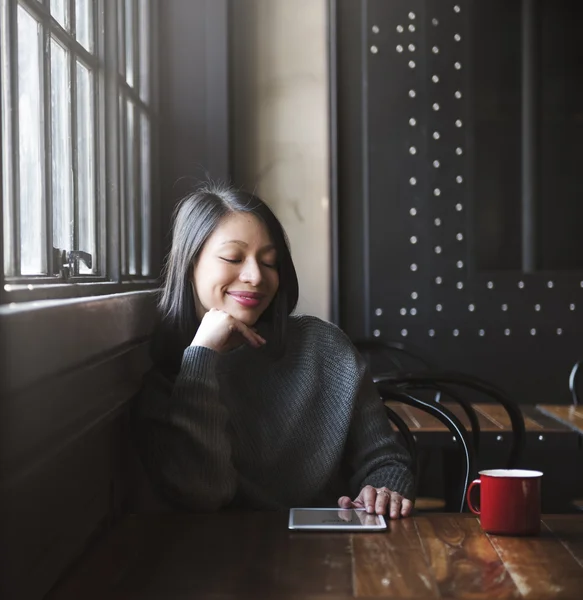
(374, 455)
(180, 432)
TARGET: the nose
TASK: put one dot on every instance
(251, 272)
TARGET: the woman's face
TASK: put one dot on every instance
(236, 270)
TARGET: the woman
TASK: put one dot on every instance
(249, 406)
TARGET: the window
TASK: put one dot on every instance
(78, 124)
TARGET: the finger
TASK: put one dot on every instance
(254, 339)
(406, 507)
(344, 502)
(383, 497)
(369, 496)
(396, 500)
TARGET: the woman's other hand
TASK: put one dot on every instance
(221, 332)
(380, 501)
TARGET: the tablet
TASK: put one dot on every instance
(344, 519)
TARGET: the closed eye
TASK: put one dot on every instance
(231, 260)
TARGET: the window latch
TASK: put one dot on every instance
(66, 263)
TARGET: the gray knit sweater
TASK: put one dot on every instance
(248, 429)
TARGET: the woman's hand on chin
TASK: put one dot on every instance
(221, 332)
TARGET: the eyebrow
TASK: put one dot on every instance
(244, 245)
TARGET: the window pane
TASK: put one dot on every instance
(84, 23)
(60, 11)
(145, 50)
(131, 221)
(129, 41)
(85, 165)
(30, 138)
(146, 185)
(6, 139)
(62, 180)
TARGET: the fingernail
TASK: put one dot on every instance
(370, 508)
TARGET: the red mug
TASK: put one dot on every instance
(509, 501)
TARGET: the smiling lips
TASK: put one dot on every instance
(248, 299)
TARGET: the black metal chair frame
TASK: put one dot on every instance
(461, 379)
(388, 391)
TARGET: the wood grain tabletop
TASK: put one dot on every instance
(570, 415)
(231, 555)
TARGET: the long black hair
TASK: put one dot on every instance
(195, 218)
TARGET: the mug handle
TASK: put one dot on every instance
(474, 483)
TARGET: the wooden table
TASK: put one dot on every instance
(249, 555)
(571, 415)
(495, 425)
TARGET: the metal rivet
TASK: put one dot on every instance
(437, 249)
(457, 37)
(459, 179)
(437, 222)
(559, 331)
(411, 28)
(459, 237)
(499, 438)
(458, 123)
(413, 181)
(376, 333)
(482, 332)
(399, 48)
(375, 29)
(456, 8)
(411, 15)
(413, 212)
(458, 207)
(404, 332)
(537, 307)
(412, 150)
(378, 312)
(460, 285)
(431, 332)
(533, 331)
(403, 312)
(460, 264)
(459, 151)
(456, 332)
(521, 284)
(414, 295)
(541, 438)
(374, 49)
(438, 280)
(458, 95)
(399, 28)
(550, 284)
(412, 122)
(411, 47)
(490, 285)
(454, 438)
(504, 307)
(571, 307)
(411, 64)
(436, 164)
(507, 332)
(413, 267)
(412, 93)
(471, 307)
(434, 22)
(435, 106)
(439, 308)
(435, 50)
(413, 239)
(413, 311)
(437, 192)
(435, 79)
(436, 135)
(457, 65)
